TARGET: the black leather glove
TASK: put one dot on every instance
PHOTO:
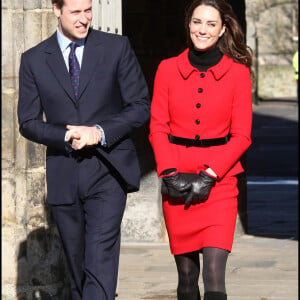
(200, 188)
(178, 183)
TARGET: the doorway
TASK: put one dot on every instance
(156, 29)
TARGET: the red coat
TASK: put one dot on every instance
(187, 102)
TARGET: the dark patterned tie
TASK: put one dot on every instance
(74, 68)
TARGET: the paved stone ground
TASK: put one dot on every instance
(263, 264)
(257, 269)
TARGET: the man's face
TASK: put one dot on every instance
(74, 18)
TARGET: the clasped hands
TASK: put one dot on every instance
(83, 136)
(194, 191)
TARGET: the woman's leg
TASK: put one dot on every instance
(188, 267)
(214, 267)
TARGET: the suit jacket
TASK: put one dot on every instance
(112, 93)
(189, 103)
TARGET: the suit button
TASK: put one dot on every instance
(200, 90)
(198, 105)
(197, 122)
(202, 75)
(197, 137)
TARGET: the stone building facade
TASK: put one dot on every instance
(33, 265)
(272, 32)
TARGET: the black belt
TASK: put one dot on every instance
(198, 143)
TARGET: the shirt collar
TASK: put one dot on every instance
(64, 42)
(186, 69)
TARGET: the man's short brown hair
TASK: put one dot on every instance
(59, 3)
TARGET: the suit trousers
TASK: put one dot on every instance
(90, 230)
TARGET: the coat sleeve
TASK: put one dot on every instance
(226, 156)
(30, 112)
(164, 154)
(135, 98)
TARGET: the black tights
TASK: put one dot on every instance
(214, 265)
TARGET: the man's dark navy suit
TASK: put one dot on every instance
(87, 188)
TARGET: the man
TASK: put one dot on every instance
(91, 162)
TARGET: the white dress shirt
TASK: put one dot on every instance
(64, 44)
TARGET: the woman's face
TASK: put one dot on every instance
(205, 27)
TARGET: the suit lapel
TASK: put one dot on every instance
(92, 53)
(57, 65)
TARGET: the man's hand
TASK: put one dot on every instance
(72, 135)
(83, 136)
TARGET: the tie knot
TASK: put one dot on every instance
(73, 46)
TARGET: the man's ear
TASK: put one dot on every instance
(56, 10)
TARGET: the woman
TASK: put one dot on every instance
(201, 119)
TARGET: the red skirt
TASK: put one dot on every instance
(207, 224)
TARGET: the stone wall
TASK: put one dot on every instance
(274, 24)
(32, 256)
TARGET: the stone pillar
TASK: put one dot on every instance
(32, 256)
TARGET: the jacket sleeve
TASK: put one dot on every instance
(164, 154)
(135, 98)
(226, 156)
(30, 112)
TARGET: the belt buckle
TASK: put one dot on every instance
(197, 143)
(201, 143)
(190, 143)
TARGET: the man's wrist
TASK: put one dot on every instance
(102, 141)
(66, 135)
